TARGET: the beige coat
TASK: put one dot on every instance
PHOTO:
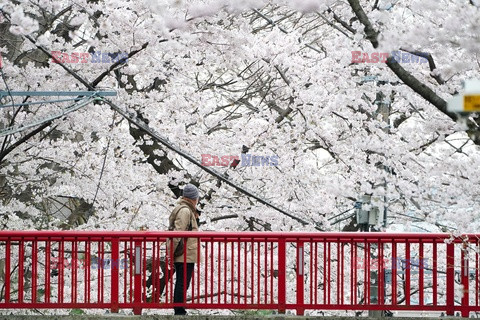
(180, 222)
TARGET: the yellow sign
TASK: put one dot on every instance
(471, 103)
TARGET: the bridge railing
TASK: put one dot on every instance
(245, 270)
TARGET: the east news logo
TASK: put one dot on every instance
(381, 57)
(247, 160)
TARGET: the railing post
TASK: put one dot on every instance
(7, 273)
(465, 279)
(300, 276)
(282, 280)
(374, 281)
(115, 263)
(21, 258)
(137, 289)
(450, 299)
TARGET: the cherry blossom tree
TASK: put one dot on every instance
(214, 76)
(272, 78)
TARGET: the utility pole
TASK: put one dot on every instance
(384, 108)
(367, 218)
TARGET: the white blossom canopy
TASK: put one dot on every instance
(214, 76)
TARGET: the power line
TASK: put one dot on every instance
(95, 92)
(103, 164)
(149, 131)
(164, 141)
(24, 126)
(82, 99)
(36, 102)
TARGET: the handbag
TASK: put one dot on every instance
(179, 249)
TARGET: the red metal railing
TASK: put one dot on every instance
(247, 270)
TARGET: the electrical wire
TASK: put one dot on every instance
(24, 126)
(37, 102)
(104, 161)
(6, 140)
(164, 141)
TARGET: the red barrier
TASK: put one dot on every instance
(247, 270)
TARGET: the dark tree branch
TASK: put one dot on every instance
(22, 140)
(400, 120)
(343, 23)
(372, 34)
(230, 216)
(412, 82)
(420, 88)
(431, 64)
(119, 62)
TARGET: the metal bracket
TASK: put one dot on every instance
(56, 93)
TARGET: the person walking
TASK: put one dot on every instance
(184, 218)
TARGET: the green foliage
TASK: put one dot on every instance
(261, 313)
(76, 312)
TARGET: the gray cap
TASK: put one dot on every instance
(190, 191)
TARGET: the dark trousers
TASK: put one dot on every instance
(179, 289)
(161, 273)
